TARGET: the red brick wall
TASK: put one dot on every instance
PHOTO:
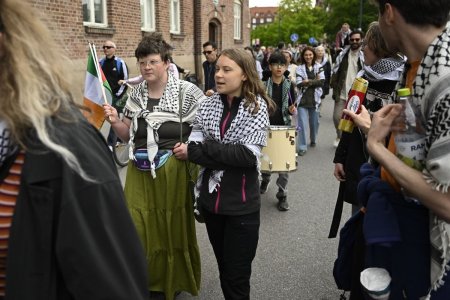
(65, 19)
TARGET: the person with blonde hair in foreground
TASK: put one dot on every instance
(66, 232)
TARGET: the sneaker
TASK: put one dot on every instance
(283, 205)
(264, 186)
(301, 152)
(336, 142)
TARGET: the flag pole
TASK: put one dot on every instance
(99, 74)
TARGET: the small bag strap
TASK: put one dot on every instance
(180, 111)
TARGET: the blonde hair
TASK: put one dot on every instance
(375, 41)
(34, 82)
(253, 85)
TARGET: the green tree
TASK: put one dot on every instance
(299, 16)
(341, 11)
(294, 16)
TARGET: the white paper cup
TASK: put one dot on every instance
(376, 282)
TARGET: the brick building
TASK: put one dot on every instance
(185, 24)
(262, 15)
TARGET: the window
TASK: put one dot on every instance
(237, 8)
(94, 12)
(147, 15)
(175, 16)
(257, 15)
(261, 20)
(254, 20)
(269, 20)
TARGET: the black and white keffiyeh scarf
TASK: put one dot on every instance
(301, 75)
(7, 146)
(167, 110)
(385, 69)
(341, 56)
(431, 92)
(286, 100)
(246, 129)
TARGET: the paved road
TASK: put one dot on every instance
(294, 258)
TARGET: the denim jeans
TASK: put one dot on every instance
(308, 117)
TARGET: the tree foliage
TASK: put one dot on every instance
(340, 11)
(301, 17)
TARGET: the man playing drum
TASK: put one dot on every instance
(282, 91)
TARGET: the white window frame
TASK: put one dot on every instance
(261, 21)
(269, 20)
(148, 15)
(237, 17)
(91, 8)
(175, 16)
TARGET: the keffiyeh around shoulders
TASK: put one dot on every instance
(246, 129)
(431, 92)
(385, 69)
(167, 110)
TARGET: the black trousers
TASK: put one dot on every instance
(234, 240)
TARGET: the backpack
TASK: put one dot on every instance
(348, 241)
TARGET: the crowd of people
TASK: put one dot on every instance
(81, 235)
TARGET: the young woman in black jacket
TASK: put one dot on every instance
(226, 141)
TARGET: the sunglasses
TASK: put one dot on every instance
(107, 47)
(354, 40)
(207, 52)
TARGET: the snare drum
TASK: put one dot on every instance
(279, 155)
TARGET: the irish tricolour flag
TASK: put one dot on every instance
(96, 90)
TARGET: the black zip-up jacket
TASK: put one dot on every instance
(238, 193)
(71, 239)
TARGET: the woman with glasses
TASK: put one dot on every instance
(310, 79)
(156, 187)
(226, 141)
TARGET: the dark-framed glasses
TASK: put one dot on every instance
(107, 47)
(354, 40)
(207, 52)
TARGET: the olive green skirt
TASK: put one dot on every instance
(161, 209)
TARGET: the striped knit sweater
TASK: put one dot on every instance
(9, 190)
